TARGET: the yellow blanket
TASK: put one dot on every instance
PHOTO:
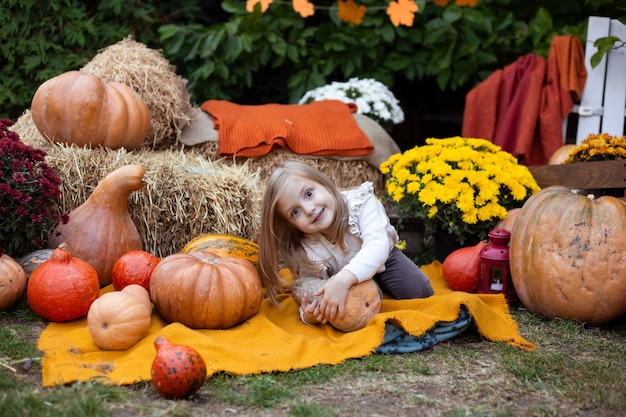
(273, 340)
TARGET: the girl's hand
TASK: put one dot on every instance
(310, 311)
(334, 294)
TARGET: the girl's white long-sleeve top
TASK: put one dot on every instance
(370, 239)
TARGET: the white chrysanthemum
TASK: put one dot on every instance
(371, 97)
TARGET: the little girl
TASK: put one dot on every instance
(344, 237)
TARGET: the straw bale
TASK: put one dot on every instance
(155, 80)
(185, 194)
(345, 174)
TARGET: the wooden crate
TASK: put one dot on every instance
(607, 176)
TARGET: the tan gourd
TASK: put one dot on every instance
(101, 230)
(118, 320)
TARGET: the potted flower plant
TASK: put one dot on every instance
(459, 186)
(29, 193)
(598, 147)
(371, 97)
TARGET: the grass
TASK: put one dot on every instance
(575, 371)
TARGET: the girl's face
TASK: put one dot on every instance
(306, 205)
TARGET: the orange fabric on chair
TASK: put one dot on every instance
(521, 107)
(568, 52)
(320, 128)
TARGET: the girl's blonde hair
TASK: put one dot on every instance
(280, 241)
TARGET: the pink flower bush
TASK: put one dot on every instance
(29, 193)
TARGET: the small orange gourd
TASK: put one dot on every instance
(63, 287)
(119, 319)
(204, 291)
(178, 371)
(80, 109)
(101, 230)
(12, 281)
(461, 269)
(362, 302)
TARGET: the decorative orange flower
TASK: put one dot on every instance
(402, 12)
(303, 7)
(350, 12)
(441, 3)
(462, 3)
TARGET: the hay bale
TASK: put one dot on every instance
(155, 80)
(345, 174)
(185, 194)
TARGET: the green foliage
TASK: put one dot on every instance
(251, 53)
(41, 39)
(604, 45)
(228, 53)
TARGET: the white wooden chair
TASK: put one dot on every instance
(602, 106)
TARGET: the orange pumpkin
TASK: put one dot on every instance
(140, 293)
(205, 291)
(568, 256)
(80, 109)
(561, 154)
(225, 245)
(119, 319)
(62, 288)
(362, 302)
(461, 269)
(508, 222)
(101, 230)
(12, 281)
(134, 267)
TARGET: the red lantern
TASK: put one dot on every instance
(495, 274)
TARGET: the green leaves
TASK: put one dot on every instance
(604, 45)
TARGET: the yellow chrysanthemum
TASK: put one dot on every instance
(462, 184)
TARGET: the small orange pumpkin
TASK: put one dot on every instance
(79, 108)
(119, 319)
(12, 281)
(362, 302)
(204, 291)
(63, 287)
(561, 154)
(134, 267)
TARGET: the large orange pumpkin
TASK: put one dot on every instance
(79, 108)
(63, 287)
(204, 291)
(568, 256)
